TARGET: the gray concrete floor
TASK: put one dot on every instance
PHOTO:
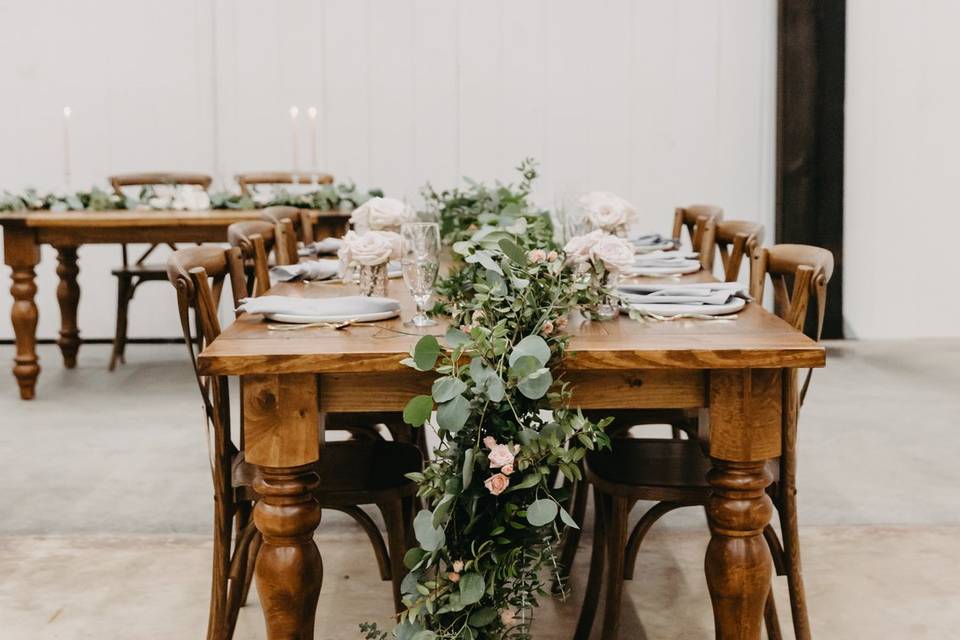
(106, 499)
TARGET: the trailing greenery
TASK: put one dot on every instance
(461, 212)
(505, 428)
(342, 196)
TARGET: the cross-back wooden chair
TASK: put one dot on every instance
(672, 473)
(736, 240)
(293, 225)
(251, 180)
(350, 474)
(131, 275)
(700, 220)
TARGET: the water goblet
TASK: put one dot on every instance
(420, 263)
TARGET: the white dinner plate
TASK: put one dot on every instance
(654, 272)
(734, 305)
(363, 317)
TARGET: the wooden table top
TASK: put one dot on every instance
(755, 339)
(145, 218)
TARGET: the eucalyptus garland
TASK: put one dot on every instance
(506, 430)
(334, 197)
(462, 212)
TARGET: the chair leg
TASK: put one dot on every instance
(397, 541)
(373, 534)
(791, 546)
(595, 579)
(251, 566)
(571, 535)
(616, 528)
(124, 295)
(217, 622)
(770, 619)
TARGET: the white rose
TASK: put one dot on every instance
(381, 213)
(615, 253)
(370, 248)
(578, 248)
(191, 198)
(607, 211)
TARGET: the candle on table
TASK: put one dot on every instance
(294, 122)
(67, 112)
(312, 119)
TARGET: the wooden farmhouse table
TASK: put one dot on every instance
(741, 374)
(24, 232)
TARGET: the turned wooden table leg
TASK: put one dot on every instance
(282, 432)
(22, 254)
(68, 295)
(289, 570)
(738, 563)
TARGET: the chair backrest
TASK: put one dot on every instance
(736, 239)
(253, 179)
(795, 271)
(199, 274)
(292, 225)
(157, 178)
(255, 239)
(701, 223)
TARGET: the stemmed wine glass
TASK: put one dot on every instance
(420, 262)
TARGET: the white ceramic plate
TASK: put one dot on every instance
(363, 317)
(733, 306)
(653, 272)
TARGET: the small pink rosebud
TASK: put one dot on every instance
(458, 565)
(453, 577)
(537, 255)
(547, 328)
(506, 469)
(490, 442)
(553, 255)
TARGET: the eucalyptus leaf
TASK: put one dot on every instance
(426, 352)
(484, 258)
(418, 410)
(455, 337)
(482, 617)
(424, 635)
(441, 510)
(495, 390)
(534, 346)
(408, 586)
(542, 512)
(452, 415)
(429, 537)
(536, 385)
(524, 366)
(467, 474)
(447, 387)
(472, 587)
(568, 519)
(413, 557)
(513, 251)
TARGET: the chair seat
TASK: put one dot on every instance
(142, 271)
(651, 469)
(352, 472)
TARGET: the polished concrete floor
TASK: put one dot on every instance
(106, 499)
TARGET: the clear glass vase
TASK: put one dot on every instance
(373, 280)
(609, 306)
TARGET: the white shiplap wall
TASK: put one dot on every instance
(663, 102)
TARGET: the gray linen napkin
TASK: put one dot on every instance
(341, 306)
(711, 293)
(308, 270)
(666, 259)
(327, 246)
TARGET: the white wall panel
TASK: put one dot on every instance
(664, 102)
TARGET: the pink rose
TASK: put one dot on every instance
(553, 255)
(500, 455)
(490, 442)
(497, 484)
(547, 328)
(537, 255)
(458, 565)
(506, 469)
(453, 577)
(578, 249)
(561, 323)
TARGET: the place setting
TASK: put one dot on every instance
(388, 241)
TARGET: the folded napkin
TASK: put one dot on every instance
(648, 239)
(327, 246)
(344, 306)
(666, 259)
(308, 270)
(709, 293)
